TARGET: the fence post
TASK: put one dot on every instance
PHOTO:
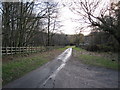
(6, 49)
(28, 49)
(15, 50)
(19, 50)
(11, 50)
(31, 49)
(36, 48)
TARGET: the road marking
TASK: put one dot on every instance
(67, 53)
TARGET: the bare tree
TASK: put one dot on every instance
(20, 23)
(51, 19)
(107, 20)
(29, 23)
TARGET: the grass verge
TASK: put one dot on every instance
(18, 67)
(97, 60)
(66, 47)
(78, 49)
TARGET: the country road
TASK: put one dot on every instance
(65, 71)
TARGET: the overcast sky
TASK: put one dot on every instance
(67, 17)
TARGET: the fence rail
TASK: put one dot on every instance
(16, 50)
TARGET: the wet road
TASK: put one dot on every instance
(43, 76)
(67, 72)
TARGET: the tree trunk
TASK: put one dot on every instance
(119, 53)
(48, 38)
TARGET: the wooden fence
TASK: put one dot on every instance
(16, 50)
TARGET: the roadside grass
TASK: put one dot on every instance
(70, 47)
(18, 67)
(66, 47)
(97, 60)
(79, 49)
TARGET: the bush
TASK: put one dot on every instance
(92, 48)
(103, 48)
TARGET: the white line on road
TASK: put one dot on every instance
(67, 53)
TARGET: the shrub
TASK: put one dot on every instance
(92, 48)
(103, 48)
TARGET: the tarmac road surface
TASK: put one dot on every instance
(65, 71)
